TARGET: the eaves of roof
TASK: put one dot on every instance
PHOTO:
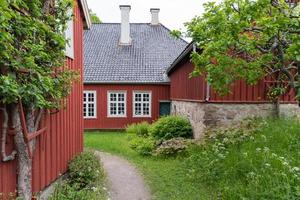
(125, 83)
(185, 52)
(86, 13)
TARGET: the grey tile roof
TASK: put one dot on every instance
(152, 51)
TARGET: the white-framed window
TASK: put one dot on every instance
(142, 104)
(116, 103)
(69, 33)
(89, 104)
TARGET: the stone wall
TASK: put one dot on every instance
(208, 115)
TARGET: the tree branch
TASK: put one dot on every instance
(38, 119)
(12, 156)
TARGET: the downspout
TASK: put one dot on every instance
(207, 96)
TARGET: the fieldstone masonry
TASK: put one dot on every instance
(208, 115)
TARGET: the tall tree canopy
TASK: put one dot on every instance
(32, 72)
(94, 17)
(247, 39)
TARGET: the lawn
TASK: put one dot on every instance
(262, 163)
(166, 177)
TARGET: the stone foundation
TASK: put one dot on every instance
(208, 115)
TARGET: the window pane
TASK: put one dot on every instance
(113, 96)
(138, 97)
(138, 109)
(113, 108)
(121, 97)
(121, 108)
(146, 97)
(91, 97)
(146, 110)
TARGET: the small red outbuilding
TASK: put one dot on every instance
(195, 99)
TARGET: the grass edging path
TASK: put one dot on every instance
(166, 177)
(124, 181)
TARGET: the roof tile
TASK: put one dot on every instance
(152, 51)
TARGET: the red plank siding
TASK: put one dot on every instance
(184, 87)
(63, 138)
(195, 89)
(159, 93)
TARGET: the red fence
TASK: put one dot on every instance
(63, 138)
(195, 89)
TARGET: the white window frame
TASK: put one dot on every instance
(69, 34)
(117, 101)
(134, 102)
(87, 92)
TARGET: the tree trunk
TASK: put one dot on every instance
(277, 108)
(24, 162)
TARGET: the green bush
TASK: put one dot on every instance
(142, 145)
(68, 192)
(171, 127)
(171, 147)
(85, 170)
(140, 129)
(85, 181)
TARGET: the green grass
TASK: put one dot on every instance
(252, 164)
(166, 177)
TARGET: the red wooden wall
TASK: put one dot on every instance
(185, 88)
(64, 136)
(159, 93)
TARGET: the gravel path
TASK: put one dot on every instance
(124, 181)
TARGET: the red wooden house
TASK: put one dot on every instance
(195, 99)
(64, 135)
(125, 66)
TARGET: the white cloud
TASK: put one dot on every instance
(173, 12)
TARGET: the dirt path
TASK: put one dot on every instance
(124, 181)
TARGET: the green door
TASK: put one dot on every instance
(164, 108)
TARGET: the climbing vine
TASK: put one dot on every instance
(33, 75)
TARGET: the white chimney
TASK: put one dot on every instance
(155, 16)
(125, 38)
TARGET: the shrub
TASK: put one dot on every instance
(140, 129)
(171, 147)
(85, 170)
(142, 145)
(171, 127)
(68, 192)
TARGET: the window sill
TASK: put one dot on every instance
(89, 117)
(111, 116)
(142, 116)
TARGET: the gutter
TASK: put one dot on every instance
(207, 95)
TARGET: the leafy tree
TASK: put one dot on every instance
(32, 45)
(95, 18)
(248, 39)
